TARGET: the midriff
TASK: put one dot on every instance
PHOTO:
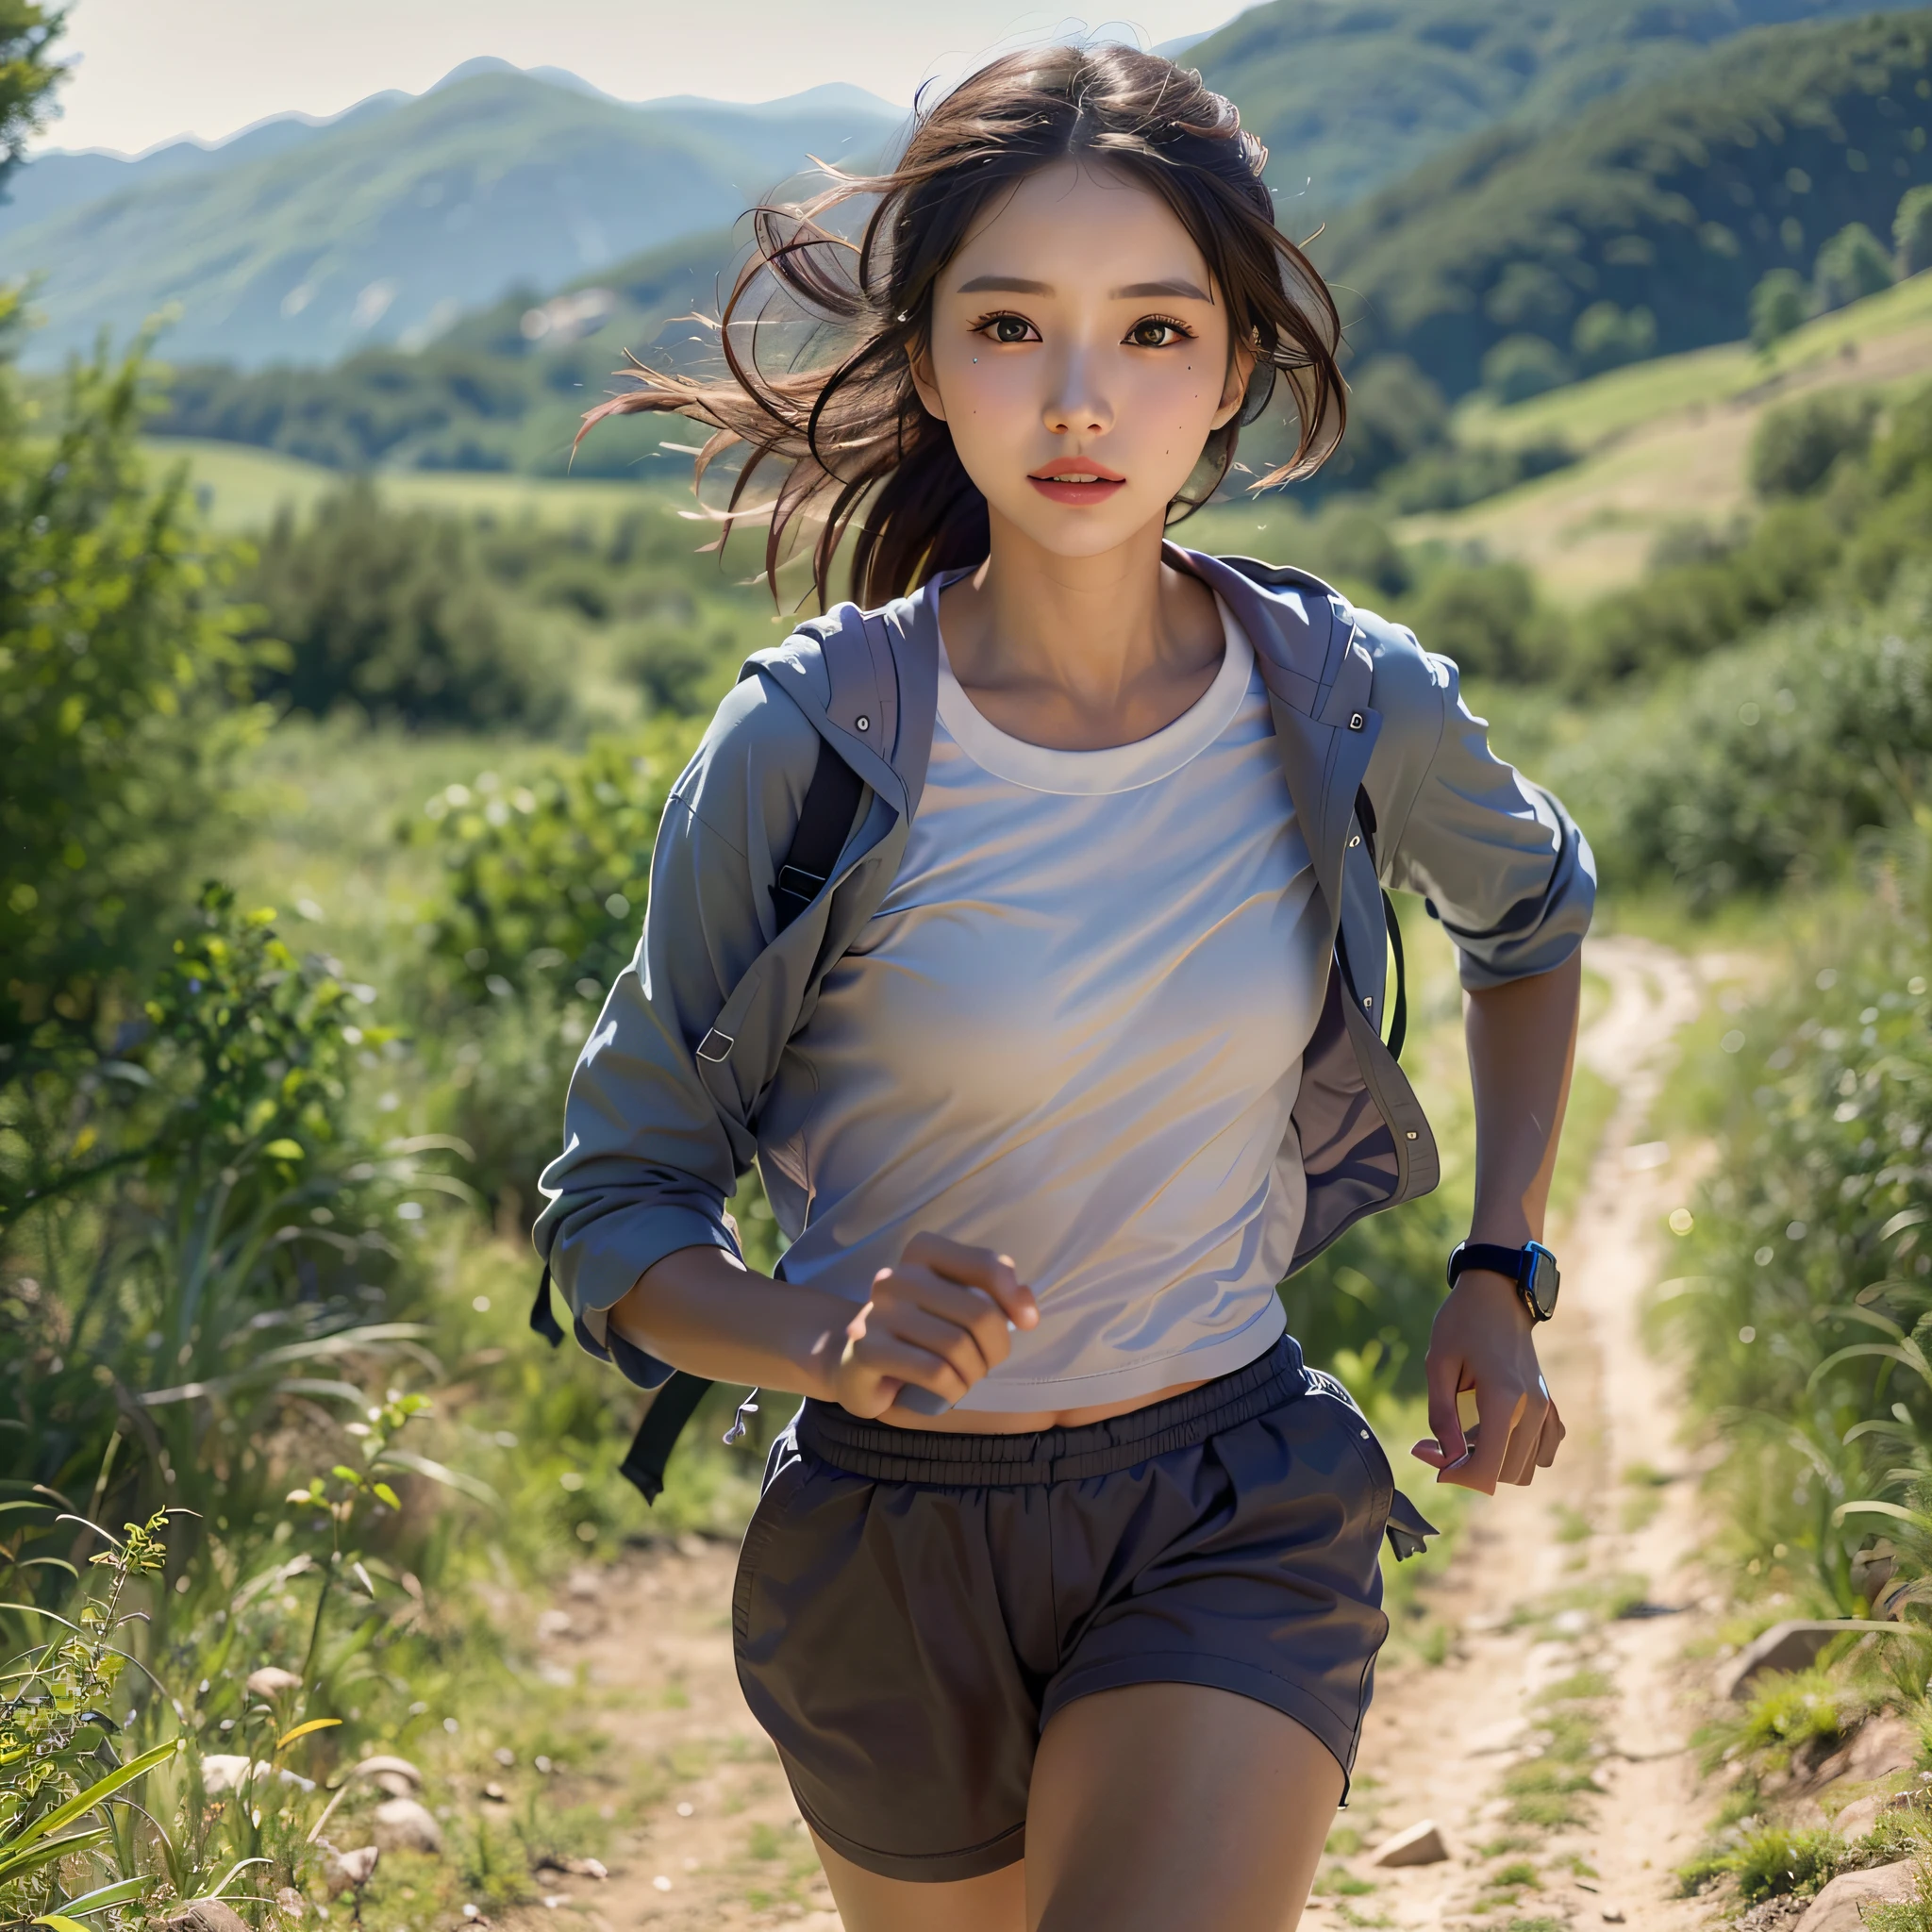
(981, 1421)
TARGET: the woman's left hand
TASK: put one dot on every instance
(1483, 1340)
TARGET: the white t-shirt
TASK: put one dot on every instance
(1074, 1032)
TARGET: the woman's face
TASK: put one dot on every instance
(1079, 354)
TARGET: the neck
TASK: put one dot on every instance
(1101, 639)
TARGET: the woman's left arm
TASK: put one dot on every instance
(1522, 1045)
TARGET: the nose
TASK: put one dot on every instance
(1075, 406)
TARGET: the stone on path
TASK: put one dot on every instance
(403, 1826)
(1841, 1906)
(1420, 1845)
(350, 1870)
(206, 1915)
(1793, 1645)
(396, 1775)
(1862, 1816)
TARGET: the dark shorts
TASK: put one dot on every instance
(912, 1608)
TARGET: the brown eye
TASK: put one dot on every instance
(1154, 333)
(1009, 328)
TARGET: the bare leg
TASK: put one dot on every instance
(867, 1903)
(1161, 1807)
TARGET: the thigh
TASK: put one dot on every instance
(867, 1903)
(1160, 1806)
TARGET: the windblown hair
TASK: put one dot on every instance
(840, 422)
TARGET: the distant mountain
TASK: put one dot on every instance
(1351, 94)
(301, 242)
(1672, 199)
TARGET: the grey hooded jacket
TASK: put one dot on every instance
(692, 1073)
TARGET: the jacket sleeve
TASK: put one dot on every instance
(1498, 859)
(648, 1159)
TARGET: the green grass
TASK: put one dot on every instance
(1589, 414)
(241, 488)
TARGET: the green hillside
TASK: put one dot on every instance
(1667, 203)
(502, 391)
(384, 227)
(1350, 96)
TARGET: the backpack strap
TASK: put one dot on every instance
(1398, 1025)
(824, 823)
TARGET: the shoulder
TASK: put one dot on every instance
(756, 757)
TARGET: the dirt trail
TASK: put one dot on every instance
(719, 1845)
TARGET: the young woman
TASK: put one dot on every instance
(1062, 1598)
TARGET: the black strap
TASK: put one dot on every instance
(824, 823)
(650, 1448)
(1398, 1025)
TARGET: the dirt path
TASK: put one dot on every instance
(719, 1844)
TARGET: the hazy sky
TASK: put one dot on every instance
(149, 70)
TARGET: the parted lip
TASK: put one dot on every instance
(1075, 466)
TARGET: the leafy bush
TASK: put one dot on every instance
(1911, 231)
(120, 676)
(1487, 617)
(1768, 759)
(1606, 337)
(1852, 265)
(1461, 474)
(1770, 1862)
(1779, 304)
(391, 611)
(1522, 366)
(1794, 447)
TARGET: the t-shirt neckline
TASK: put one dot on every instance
(1115, 768)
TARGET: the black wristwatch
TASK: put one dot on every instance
(1532, 1267)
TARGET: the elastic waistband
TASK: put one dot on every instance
(888, 1453)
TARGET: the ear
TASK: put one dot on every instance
(918, 358)
(1240, 365)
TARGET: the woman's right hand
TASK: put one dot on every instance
(939, 1320)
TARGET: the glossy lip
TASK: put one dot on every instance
(1050, 480)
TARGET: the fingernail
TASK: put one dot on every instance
(1459, 1462)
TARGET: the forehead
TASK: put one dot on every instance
(1075, 225)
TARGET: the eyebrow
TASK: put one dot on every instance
(1133, 291)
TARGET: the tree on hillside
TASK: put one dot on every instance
(1911, 231)
(1779, 304)
(27, 75)
(1852, 265)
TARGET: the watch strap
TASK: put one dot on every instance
(1490, 1257)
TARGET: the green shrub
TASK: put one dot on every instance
(1487, 617)
(120, 676)
(1771, 757)
(1606, 337)
(1852, 265)
(1779, 304)
(1523, 366)
(391, 612)
(1794, 447)
(1911, 231)
(1457, 475)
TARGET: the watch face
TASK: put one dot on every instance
(1543, 1280)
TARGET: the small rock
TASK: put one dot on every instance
(270, 1681)
(1420, 1845)
(552, 1624)
(690, 1545)
(396, 1775)
(291, 1903)
(505, 1756)
(1841, 1906)
(403, 1826)
(495, 1793)
(350, 1870)
(1614, 1915)
(206, 1915)
(1793, 1645)
(1882, 1746)
(585, 1584)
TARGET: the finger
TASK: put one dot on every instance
(1443, 1371)
(969, 1309)
(891, 1356)
(1552, 1438)
(978, 1268)
(1499, 1407)
(1519, 1460)
(936, 1336)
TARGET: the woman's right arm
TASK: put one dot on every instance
(938, 1320)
